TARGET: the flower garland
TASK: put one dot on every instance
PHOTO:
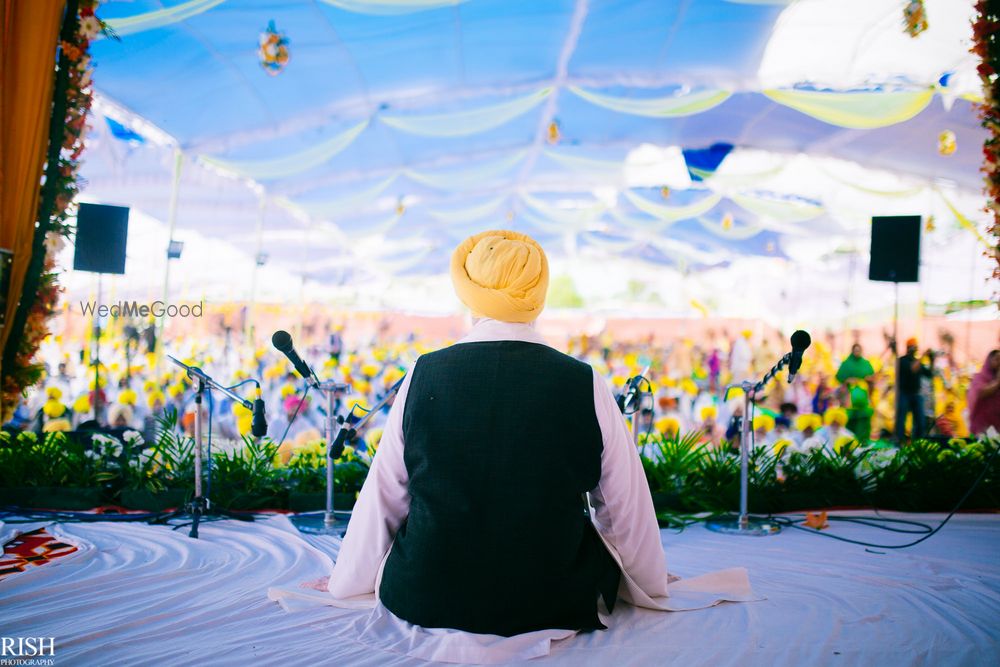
(914, 18)
(70, 105)
(986, 45)
(273, 50)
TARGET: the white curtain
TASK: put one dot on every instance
(782, 210)
(390, 7)
(641, 225)
(339, 208)
(128, 25)
(734, 233)
(674, 213)
(456, 216)
(576, 218)
(294, 163)
(657, 107)
(465, 123)
(374, 229)
(466, 177)
(612, 171)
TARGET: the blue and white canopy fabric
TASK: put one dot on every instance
(683, 134)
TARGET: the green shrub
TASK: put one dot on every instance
(52, 460)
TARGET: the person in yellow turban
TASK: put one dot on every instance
(501, 275)
(54, 408)
(835, 427)
(808, 436)
(56, 425)
(502, 410)
(120, 415)
(82, 404)
(910, 399)
(763, 427)
(669, 427)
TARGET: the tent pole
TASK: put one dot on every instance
(302, 282)
(249, 333)
(171, 224)
(972, 297)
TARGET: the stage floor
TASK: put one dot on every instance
(134, 594)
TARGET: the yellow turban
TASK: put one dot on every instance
(82, 403)
(55, 425)
(780, 445)
(807, 420)
(502, 275)
(154, 396)
(53, 408)
(835, 416)
(668, 425)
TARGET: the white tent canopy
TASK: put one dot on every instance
(690, 146)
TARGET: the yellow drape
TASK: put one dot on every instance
(30, 33)
(859, 110)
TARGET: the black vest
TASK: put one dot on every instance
(501, 441)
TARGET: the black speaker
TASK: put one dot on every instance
(895, 253)
(101, 235)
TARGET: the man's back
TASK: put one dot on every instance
(501, 441)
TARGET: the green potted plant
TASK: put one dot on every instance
(53, 471)
(244, 479)
(305, 476)
(162, 476)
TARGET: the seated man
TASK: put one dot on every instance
(475, 516)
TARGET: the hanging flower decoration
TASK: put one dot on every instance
(930, 225)
(727, 221)
(986, 45)
(665, 192)
(553, 135)
(40, 296)
(914, 18)
(947, 143)
(273, 50)
(400, 206)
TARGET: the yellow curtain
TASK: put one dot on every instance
(30, 33)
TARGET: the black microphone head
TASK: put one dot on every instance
(282, 341)
(800, 340)
(258, 427)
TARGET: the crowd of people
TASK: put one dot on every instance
(690, 386)
(830, 403)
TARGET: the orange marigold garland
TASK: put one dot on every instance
(272, 50)
(986, 45)
(914, 17)
(40, 295)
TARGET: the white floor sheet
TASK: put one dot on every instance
(136, 594)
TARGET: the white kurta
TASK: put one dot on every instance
(623, 516)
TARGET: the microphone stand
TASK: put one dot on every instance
(338, 434)
(742, 524)
(201, 505)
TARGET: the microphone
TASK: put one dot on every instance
(800, 341)
(282, 341)
(258, 427)
(631, 387)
